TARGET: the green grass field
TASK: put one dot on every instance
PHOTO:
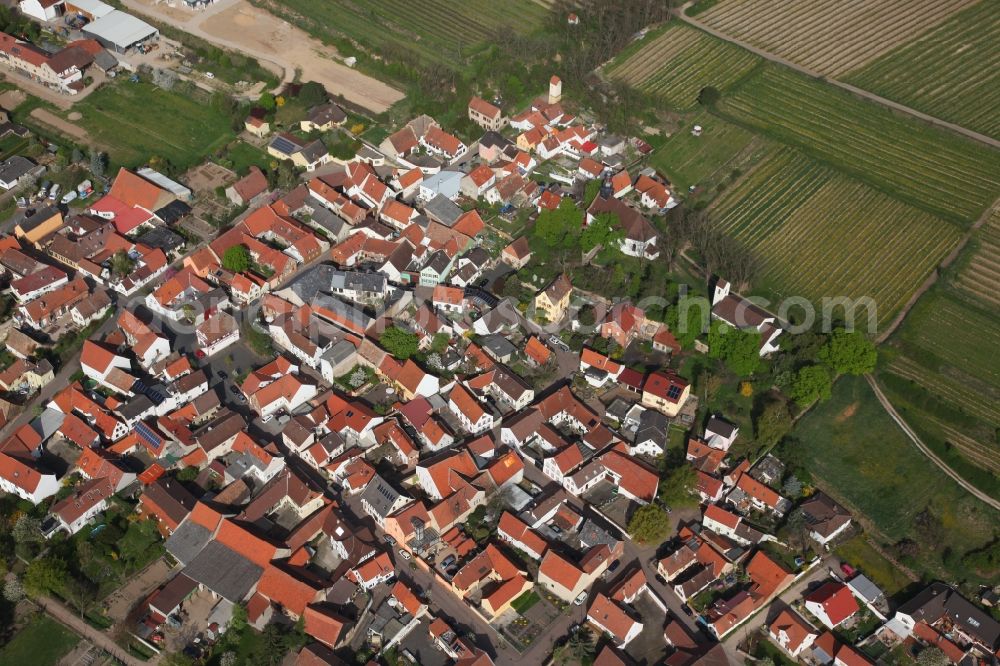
(861, 555)
(676, 63)
(856, 453)
(943, 375)
(952, 72)
(242, 156)
(137, 121)
(42, 642)
(934, 170)
(688, 160)
(434, 31)
(820, 234)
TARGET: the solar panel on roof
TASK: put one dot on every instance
(284, 145)
(674, 392)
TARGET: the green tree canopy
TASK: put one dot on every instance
(45, 576)
(849, 353)
(709, 96)
(649, 524)
(738, 349)
(696, 316)
(559, 228)
(121, 263)
(678, 488)
(236, 259)
(312, 93)
(773, 422)
(604, 231)
(439, 344)
(401, 344)
(810, 384)
(267, 101)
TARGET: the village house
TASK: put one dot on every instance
(553, 301)
(486, 115)
(666, 392)
(742, 314)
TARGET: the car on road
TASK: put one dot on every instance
(614, 565)
(580, 600)
(405, 554)
(660, 579)
(687, 610)
(222, 374)
(265, 419)
(557, 342)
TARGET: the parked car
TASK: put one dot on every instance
(54, 192)
(69, 196)
(405, 554)
(265, 419)
(580, 600)
(448, 561)
(389, 539)
(613, 566)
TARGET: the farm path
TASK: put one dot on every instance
(860, 92)
(972, 490)
(282, 47)
(67, 617)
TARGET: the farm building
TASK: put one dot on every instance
(115, 30)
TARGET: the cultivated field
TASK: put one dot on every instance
(695, 160)
(831, 37)
(818, 233)
(934, 170)
(980, 278)
(952, 72)
(434, 31)
(677, 63)
(856, 453)
(945, 372)
(137, 121)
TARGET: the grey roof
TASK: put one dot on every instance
(105, 60)
(162, 238)
(29, 219)
(224, 571)
(48, 422)
(322, 217)
(313, 151)
(121, 29)
(171, 595)
(438, 262)
(443, 210)
(187, 541)
(380, 495)
(491, 139)
(652, 426)
(720, 427)
(862, 586)
(15, 167)
(357, 281)
(339, 352)
(498, 346)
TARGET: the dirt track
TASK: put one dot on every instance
(237, 25)
(46, 117)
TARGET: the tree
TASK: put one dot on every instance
(559, 228)
(312, 93)
(82, 595)
(98, 163)
(439, 343)
(586, 315)
(592, 189)
(932, 656)
(401, 344)
(236, 259)
(45, 576)
(13, 591)
(267, 101)
(604, 231)
(649, 524)
(849, 352)
(122, 264)
(738, 349)
(773, 422)
(581, 646)
(678, 488)
(286, 175)
(27, 530)
(709, 96)
(695, 319)
(810, 384)
(796, 531)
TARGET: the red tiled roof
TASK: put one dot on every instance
(836, 599)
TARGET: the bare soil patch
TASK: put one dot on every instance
(260, 32)
(847, 413)
(62, 125)
(11, 99)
